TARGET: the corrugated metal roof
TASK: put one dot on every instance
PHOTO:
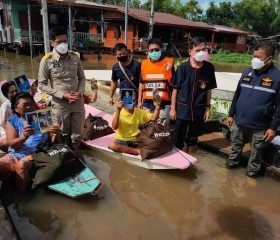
(219, 28)
(164, 19)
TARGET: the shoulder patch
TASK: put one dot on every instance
(47, 55)
(74, 53)
(77, 54)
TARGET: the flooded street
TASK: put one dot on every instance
(12, 65)
(205, 201)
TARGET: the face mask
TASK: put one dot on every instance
(123, 58)
(155, 55)
(200, 56)
(257, 63)
(62, 48)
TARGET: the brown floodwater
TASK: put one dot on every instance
(12, 65)
(205, 201)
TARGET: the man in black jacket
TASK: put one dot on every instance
(254, 114)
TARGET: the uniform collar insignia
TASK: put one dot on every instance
(268, 80)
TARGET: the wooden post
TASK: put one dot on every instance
(44, 13)
(30, 30)
(213, 39)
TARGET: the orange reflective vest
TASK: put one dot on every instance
(157, 75)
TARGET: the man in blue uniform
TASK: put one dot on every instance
(191, 95)
(254, 114)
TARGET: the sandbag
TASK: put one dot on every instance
(154, 139)
(95, 127)
(53, 163)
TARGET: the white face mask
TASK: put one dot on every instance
(257, 63)
(200, 56)
(62, 48)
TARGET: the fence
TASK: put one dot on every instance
(139, 44)
(22, 36)
(82, 37)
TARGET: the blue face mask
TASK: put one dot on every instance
(155, 55)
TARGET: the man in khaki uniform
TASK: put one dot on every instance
(61, 75)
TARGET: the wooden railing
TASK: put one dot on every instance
(22, 36)
(139, 44)
(81, 37)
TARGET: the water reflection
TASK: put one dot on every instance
(203, 202)
(12, 65)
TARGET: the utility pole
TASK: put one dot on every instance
(151, 20)
(44, 13)
(70, 24)
(30, 30)
(126, 22)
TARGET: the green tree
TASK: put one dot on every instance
(222, 14)
(160, 6)
(192, 10)
(135, 4)
(256, 16)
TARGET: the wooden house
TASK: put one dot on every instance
(104, 25)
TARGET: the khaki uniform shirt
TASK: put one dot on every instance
(58, 76)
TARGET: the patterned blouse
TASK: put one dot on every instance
(29, 146)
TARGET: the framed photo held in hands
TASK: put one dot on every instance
(32, 120)
(45, 119)
(22, 83)
(127, 96)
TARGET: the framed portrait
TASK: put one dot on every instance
(22, 83)
(127, 96)
(45, 119)
(33, 121)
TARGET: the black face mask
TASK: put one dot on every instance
(123, 58)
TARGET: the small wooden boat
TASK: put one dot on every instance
(82, 183)
(175, 159)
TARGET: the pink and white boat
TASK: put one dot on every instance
(175, 159)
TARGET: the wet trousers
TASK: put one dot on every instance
(241, 135)
(70, 117)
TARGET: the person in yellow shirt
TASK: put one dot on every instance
(125, 123)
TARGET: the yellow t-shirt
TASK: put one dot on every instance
(128, 124)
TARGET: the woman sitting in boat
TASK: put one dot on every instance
(125, 123)
(9, 89)
(22, 141)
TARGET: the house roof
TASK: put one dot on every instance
(164, 19)
(83, 3)
(219, 28)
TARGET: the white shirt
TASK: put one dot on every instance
(5, 113)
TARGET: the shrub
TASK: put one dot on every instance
(219, 109)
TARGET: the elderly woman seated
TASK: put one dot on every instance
(22, 140)
(9, 89)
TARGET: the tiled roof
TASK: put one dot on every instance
(164, 19)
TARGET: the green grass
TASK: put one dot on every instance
(225, 58)
(237, 58)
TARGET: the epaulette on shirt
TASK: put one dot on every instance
(47, 55)
(74, 53)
